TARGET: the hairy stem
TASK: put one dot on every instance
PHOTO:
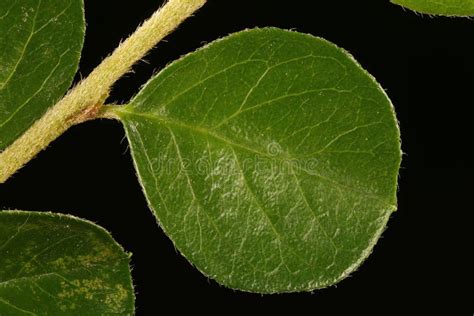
(85, 101)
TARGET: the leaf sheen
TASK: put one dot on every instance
(61, 265)
(269, 157)
(40, 45)
(440, 7)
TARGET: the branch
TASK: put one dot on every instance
(85, 101)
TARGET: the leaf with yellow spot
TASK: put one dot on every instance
(61, 265)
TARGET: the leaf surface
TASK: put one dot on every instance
(61, 265)
(40, 45)
(269, 157)
(440, 7)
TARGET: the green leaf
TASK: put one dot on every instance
(40, 45)
(440, 7)
(269, 157)
(61, 265)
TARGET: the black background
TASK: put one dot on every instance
(427, 67)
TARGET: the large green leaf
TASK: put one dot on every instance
(269, 157)
(61, 265)
(40, 45)
(440, 7)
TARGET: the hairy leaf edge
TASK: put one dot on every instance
(391, 205)
(396, 2)
(79, 220)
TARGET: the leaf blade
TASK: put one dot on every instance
(234, 144)
(58, 265)
(445, 7)
(40, 45)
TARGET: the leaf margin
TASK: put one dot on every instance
(100, 231)
(118, 113)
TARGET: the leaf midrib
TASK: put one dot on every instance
(173, 123)
(33, 32)
(46, 275)
(25, 46)
(65, 271)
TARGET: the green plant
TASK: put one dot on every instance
(443, 7)
(269, 157)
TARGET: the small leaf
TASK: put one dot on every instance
(40, 45)
(61, 265)
(269, 157)
(440, 7)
